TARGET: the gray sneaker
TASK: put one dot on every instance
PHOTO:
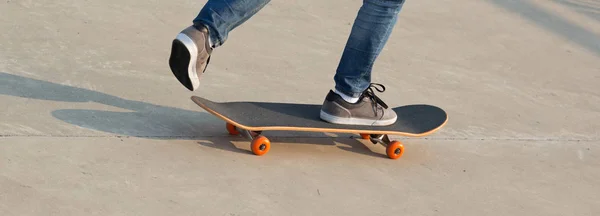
(190, 54)
(369, 110)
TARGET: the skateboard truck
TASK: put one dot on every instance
(248, 134)
(394, 149)
(260, 144)
(382, 139)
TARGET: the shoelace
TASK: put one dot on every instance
(370, 93)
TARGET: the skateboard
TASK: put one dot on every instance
(250, 119)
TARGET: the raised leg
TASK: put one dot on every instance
(222, 16)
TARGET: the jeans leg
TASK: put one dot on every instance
(222, 16)
(371, 30)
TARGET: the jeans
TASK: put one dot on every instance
(370, 32)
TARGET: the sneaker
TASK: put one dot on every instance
(190, 54)
(369, 110)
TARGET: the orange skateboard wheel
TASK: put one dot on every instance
(365, 136)
(231, 129)
(260, 145)
(395, 150)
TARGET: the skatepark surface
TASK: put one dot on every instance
(94, 123)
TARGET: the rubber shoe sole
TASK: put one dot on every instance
(182, 61)
(355, 121)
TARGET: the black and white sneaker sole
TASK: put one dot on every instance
(182, 61)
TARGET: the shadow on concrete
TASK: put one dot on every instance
(351, 144)
(144, 120)
(587, 8)
(556, 24)
(360, 148)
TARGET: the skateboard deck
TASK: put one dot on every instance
(250, 119)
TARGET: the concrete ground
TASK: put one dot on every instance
(93, 122)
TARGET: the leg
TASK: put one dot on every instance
(223, 16)
(191, 49)
(370, 32)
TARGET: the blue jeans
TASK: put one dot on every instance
(370, 31)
